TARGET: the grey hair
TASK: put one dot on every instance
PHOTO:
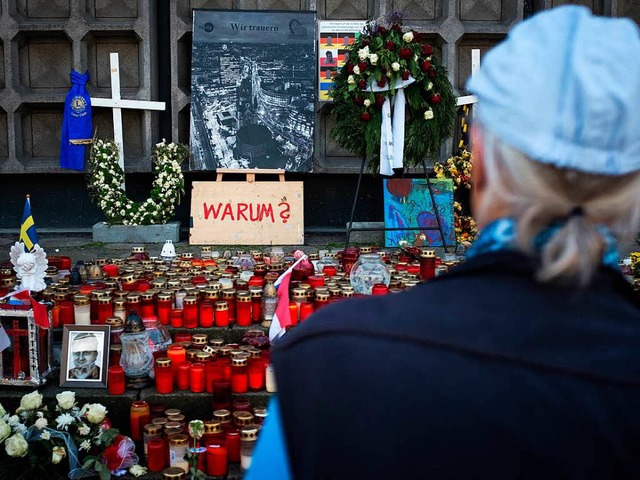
(536, 194)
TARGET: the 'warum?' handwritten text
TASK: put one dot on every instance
(247, 212)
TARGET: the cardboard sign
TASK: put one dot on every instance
(247, 213)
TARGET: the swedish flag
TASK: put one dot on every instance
(28, 234)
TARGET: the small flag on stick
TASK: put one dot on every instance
(28, 234)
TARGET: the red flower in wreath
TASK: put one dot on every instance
(405, 53)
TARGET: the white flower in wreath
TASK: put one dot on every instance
(63, 421)
(16, 446)
(57, 454)
(363, 53)
(367, 102)
(86, 445)
(428, 114)
(41, 423)
(395, 66)
(5, 431)
(430, 86)
(45, 435)
(373, 58)
(31, 401)
(408, 37)
(415, 58)
(356, 70)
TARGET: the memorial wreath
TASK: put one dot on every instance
(106, 178)
(386, 65)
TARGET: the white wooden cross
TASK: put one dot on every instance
(117, 103)
(475, 65)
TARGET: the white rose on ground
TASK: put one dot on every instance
(31, 401)
(138, 470)
(96, 413)
(13, 420)
(41, 423)
(86, 445)
(428, 114)
(63, 421)
(16, 446)
(45, 435)
(57, 454)
(408, 37)
(395, 66)
(5, 431)
(373, 58)
(66, 400)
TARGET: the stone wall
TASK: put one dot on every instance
(42, 40)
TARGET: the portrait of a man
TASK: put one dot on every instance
(84, 352)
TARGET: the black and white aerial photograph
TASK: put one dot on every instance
(252, 89)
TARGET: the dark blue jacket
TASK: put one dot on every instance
(482, 373)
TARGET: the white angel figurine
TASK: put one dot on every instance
(30, 267)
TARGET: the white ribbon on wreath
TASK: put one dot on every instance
(392, 127)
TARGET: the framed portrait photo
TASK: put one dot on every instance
(84, 358)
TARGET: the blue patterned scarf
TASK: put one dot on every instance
(500, 235)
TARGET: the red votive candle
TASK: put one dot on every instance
(183, 376)
(306, 309)
(176, 318)
(256, 304)
(164, 306)
(206, 314)
(239, 378)
(293, 311)
(164, 375)
(329, 270)
(67, 316)
(196, 377)
(104, 309)
(217, 462)
(190, 312)
(221, 395)
(243, 309)
(229, 296)
(116, 380)
(222, 314)
(140, 415)
(148, 305)
(316, 281)
(379, 289)
(177, 354)
(256, 374)
(212, 373)
(111, 270)
(427, 264)
(156, 453)
(233, 445)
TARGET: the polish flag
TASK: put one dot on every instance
(282, 317)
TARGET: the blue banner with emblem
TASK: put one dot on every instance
(76, 123)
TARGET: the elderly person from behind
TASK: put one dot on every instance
(524, 362)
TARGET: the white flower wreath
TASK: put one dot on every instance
(106, 178)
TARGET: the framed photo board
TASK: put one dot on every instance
(84, 358)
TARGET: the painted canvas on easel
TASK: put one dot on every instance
(407, 203)
(253, 81)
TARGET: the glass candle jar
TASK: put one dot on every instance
(156, 454)
(427, 264)
(367, 271)
(140, 415)
(212, 373)
(178, 451)
(256, 373)
(119, 309)
(132, 303)
(206, 313)
(177, 318)
(150, 431)
(259, 414)
(66, 312)
(270, 379)
(232, 436)
(196, 377)
(221, 395)
(306, 309)
(179, 297)
(81, 310)
(223, 416)
(190, 312)
(177, 354)
(147, 305)
(164, 375)
(116, 380)
(222, 314)
(256, 304)
(322, 299)
(164, 306)
(217, 462)
(104, 309)
(243, 309)
(239, 378)
(212, 433)
(115, 353)
(229, 296)
(248, 437)
(182, 380)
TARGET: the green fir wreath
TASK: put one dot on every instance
(106, 177)
(383, 55)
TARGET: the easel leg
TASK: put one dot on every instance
(435, 206)
(355, 200)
